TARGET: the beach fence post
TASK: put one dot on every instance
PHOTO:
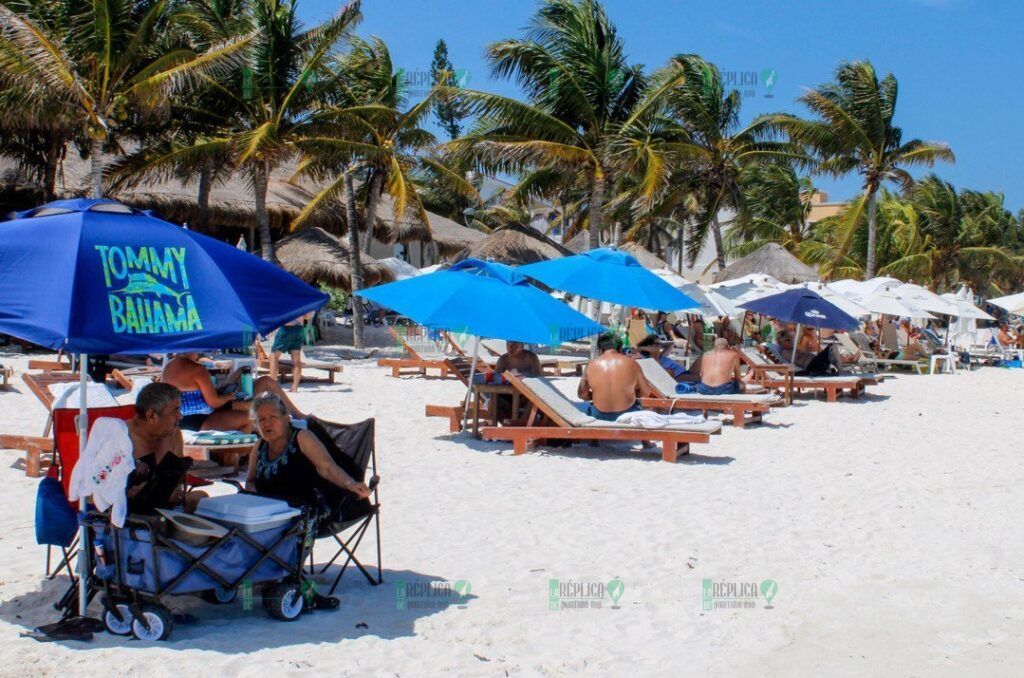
(472, 373)
(83, 431)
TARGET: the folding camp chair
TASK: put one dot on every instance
(353, 448)
(65, 456)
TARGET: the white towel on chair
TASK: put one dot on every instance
(102, 470)
(648, 419)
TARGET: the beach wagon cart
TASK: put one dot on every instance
(139, 566)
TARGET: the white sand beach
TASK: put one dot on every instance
(890, 526)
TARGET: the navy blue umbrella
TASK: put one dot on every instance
(804, 307)
(95, 276)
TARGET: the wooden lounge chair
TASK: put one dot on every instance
(552, 416)
(285, 366)
(125, 377)
(417, 363)
(745, 408)
(869, 360)
(831, 386)
(557, 365)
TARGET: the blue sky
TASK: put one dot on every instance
(959, 62)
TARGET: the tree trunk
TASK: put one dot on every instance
(54, 151)
(869, 270)
(716, 231)
(203, 199)
(372, 201)
(681, 240)
(259, 188)
(596, 206)
(96, 173)
(355, 262)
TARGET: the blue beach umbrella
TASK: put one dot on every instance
(803, 307)
(485, 299)
(608, 274)
(95, 276)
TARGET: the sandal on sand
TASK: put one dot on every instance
(325, 602)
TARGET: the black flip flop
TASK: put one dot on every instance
(325, 602)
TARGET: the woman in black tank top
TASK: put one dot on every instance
(290, 462)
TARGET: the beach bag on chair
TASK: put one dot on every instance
(56, 521)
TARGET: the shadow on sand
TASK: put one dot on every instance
(389, 610)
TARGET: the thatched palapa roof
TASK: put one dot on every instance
(316, 256)
(516, 245)
(579, 243)
(647, 259)
(231, 204)
(772, 259)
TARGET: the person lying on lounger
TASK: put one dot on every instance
(519, 361)
(720, 370)
(202, 407)
(612, 382)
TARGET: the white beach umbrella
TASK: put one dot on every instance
(963, 300)
(925, 299)
(402, 270)
(751, 280)
(1013, 303)
(841, 301)
(712, 304)
(883, 301)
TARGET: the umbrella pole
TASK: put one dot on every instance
(83, 431)
(472, 373)
(796, 341)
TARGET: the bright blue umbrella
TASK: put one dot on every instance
(485, 299)
(94, 276)
(804, 307)
(608, 274)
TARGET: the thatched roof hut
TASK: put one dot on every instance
(579, 243)
(231, 204)
(316, 256)
(516, 245)
(772, 259)
(647, 259)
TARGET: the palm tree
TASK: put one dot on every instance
(367, 132)
(714, 149)
(854, 131)
(284, 80)
(583, 97)
(121, 63)
(775, 207)
(953, 236)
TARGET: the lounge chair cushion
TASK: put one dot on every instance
(557, 401)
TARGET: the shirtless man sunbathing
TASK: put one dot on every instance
(612, 382)
(720, 371)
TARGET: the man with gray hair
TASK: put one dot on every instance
(157, 447)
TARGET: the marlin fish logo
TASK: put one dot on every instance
(144, 283)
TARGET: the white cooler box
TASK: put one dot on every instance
(247, 512)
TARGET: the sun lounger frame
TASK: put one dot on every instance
(672, 442)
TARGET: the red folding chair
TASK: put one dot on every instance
(65, 456)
